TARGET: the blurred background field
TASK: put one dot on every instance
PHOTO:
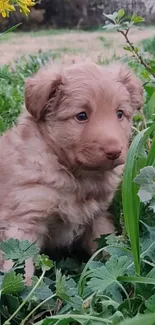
(70, 29)
(22, 53)
(70, 45)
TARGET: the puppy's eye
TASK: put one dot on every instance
(82, 116)
(120, 114)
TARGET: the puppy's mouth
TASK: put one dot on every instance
(117, 162)
(100, 166)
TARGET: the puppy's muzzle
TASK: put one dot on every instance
(113, 153)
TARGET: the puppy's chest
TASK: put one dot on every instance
(78, 203)
(74, 213)
(80, 206)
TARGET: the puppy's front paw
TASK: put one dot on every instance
(6, 265)
(29, 271)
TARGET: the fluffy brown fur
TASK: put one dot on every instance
(58, 175)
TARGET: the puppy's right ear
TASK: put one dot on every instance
(39, 90)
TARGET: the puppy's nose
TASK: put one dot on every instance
(113, 153)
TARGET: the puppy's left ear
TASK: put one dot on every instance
(133, 85)
(41, 89)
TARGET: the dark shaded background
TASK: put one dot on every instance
(77, 13)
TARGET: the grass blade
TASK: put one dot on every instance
(131, 203)
(11, 29)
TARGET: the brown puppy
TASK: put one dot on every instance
(61, 165)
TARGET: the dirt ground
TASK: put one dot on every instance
(71, 45)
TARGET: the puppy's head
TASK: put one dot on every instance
(86, 110)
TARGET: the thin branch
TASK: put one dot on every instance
(136, 54)
(139, 57)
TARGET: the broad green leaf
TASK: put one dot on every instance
(111, 26)
(66, 289)
(13, 302)
(150, 304)
(106, 276)
(148, 243)
(41, 293)
(111, 17)
(146, 181)
(140, 320)
(118, 245)
(18, 251)
(114, 292)
(146, 177)
(137, 19)
(121, 13)
(12, 283)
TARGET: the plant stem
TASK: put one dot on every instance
(78, 317)
(136, 54)
(127, 296)
(26, 299)
(38, 306)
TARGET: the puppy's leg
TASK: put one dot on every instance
(100, 226)
(16, 232)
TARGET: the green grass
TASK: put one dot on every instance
(65, 50)
(106, 43)
(42, 32)
(149, 45)
(12, 85)
(47, 32)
